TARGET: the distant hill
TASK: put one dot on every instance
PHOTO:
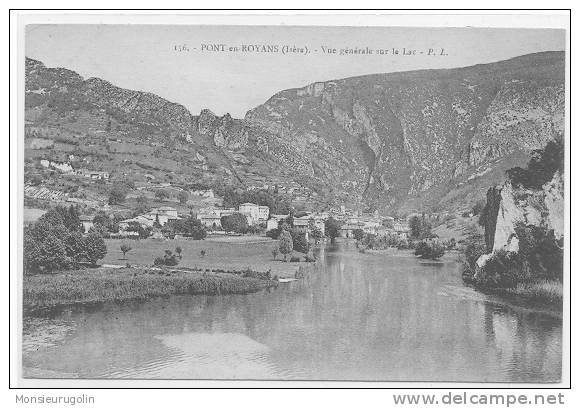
(408, 141)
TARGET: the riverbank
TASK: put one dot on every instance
(546, 292)
(90, 286)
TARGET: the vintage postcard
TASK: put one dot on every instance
(293, 202)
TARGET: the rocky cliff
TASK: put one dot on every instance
(413, 139)
(509, 206)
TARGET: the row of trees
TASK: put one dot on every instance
(55, 242)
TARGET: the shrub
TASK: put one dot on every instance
(502, 269)
(169, 259)
(294, 259)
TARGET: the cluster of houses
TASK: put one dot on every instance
(255, 214)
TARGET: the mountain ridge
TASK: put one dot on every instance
(396, 141)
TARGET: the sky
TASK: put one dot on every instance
(144, 57)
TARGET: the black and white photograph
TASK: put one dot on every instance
(293, 202)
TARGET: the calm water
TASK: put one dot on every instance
(361, 316)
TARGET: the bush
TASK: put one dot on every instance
(169, 259)
(502, 269)
(294, 259)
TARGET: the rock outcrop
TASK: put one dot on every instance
(541, 208)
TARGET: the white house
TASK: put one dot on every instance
(254, 213)
(87, 222)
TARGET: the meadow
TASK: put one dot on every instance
(228, 253)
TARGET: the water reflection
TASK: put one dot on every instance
(362, 316)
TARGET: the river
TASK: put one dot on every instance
(358, 317)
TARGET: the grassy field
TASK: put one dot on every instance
(220, 253)
(99, 285)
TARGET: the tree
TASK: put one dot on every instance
(102, 219)
(316, 234)
(95, 248)
(142, 205)
(420, 227)
(183, 196)
(275, 252)
(235, 223)
(124, 249)
(358, 234)
(54, 242)
(286, 245)
(299, 241)
(190, 227)
(143, 232)
(332, 228)
(178, 251)
(161, 195)
(430, 250)
(117, 195)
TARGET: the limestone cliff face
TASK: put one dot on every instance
(542, 208)
(410, 139)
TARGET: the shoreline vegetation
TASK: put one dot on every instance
(99, 285)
